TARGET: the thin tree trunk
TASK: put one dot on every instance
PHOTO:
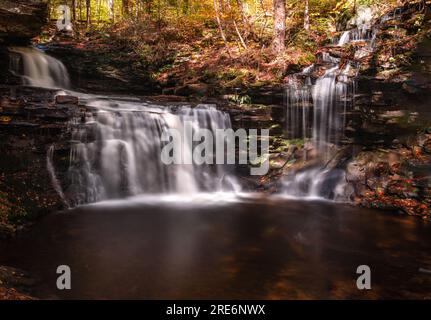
(149, 9)
(222, 34)
(159, 15)
(73, 10)
(88, 6)
(241, 39)
(49, 6)
(306, 16)
(80, 10)
(125, 4)
(98, 10)
(111, 10)
(279, 26)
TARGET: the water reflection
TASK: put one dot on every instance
(254, 248)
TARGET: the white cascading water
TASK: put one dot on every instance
(116, 150)
(116, 153)
(53, 176)
(38, 69)
(316, 112)
(363, 31)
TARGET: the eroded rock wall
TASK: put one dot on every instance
(21, 20)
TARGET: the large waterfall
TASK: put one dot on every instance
(316, 113)
(116, 148)
(38, 69)
(117, 152)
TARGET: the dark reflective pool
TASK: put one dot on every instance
(217, 248)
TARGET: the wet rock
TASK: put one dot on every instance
(410, 88)
(168, 91)
(199, 89)
(66, 99)
(363, 53)
(21, 20)
(393, 179)
(355, 172)
(427, 146)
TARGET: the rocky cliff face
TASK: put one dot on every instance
(21, 20)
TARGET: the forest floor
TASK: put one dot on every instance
(187, 59)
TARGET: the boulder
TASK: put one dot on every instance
(21, 20)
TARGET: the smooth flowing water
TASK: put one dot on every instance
(117, 146)
(317, 111)
(117, 152)
(38, 69)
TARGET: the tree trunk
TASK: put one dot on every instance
(137, 9)
(306, 16)
(74, 10)
(111, 10)
(223, 36)
(98, 11)
(125, 4)
(149, 7)
(279, 26)
(80, 10)
(241, 39)
(88, 7)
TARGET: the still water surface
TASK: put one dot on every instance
(225, 248)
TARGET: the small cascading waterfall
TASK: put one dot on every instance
(54, 180)
(117, 152)
(38, 69)
(316, 112)
(316, 109)
(358, 34)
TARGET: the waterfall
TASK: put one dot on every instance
(316, 113)
(116, 148)
(345, 38)
(117, 151)
(54, 180)
(38, 69)
(359, 34)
